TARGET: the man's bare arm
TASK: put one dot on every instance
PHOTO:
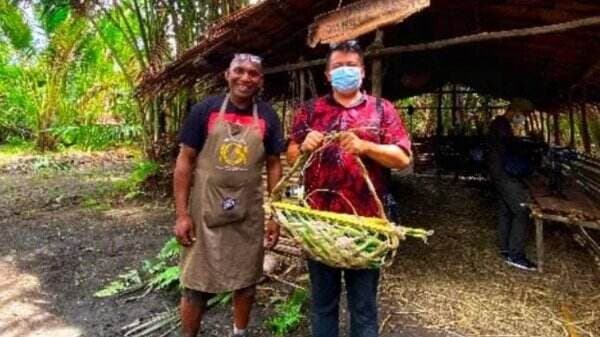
(274, 172)
(182, 181)
(182, 178)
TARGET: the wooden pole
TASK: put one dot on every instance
(302, 86)
(548, 127)
(454, 106)
(283, 119)
(571, 122)
(542, 126)
(377, 66)
(555, 116)
(585, 132)
(440, 119)
(529, 125)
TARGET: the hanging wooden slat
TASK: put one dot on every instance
(360, 18)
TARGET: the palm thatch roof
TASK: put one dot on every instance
(545, 66)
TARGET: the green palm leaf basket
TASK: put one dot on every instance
(339, 240)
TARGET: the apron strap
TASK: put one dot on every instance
(223, 107)
(221, 117)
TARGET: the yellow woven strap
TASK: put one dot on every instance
(372, 223)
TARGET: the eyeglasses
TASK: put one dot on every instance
(349, 44)
(247, 57)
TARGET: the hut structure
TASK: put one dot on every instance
(545, 51)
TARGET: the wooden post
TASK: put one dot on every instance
(539, 242)
(302, 86)
(571, 123)
(542, 125)
(531, 123)
(454, 106)
(585, 132)
(440, 118)
(283, 119)
(548, 127)
(555, 116)
(377, 67)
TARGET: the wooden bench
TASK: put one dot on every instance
(575, 203)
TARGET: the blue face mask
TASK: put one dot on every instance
(345, 79)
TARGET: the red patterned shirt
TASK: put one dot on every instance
(335, 170)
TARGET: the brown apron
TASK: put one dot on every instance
(226, 205)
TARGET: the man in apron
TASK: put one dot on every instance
(225, 143)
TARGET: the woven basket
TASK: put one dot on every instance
(339, 240)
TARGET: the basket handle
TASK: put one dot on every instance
(305, 157)
(340, 194)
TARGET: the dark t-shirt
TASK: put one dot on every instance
(500, 137)
(203, 115)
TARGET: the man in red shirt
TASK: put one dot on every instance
(371, 129)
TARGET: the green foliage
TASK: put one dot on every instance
(96, 137)
(159, 273)
(134, 183)
(122, 283)
(171, 250)
(13, 25)
(54, 13)
(288, 314)
(220, 299)
(16, 145)
(165, 278)
(162, 272)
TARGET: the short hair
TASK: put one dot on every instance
(349, 46)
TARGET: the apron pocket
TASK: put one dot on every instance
(224, 205)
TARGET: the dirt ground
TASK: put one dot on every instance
(64, 235)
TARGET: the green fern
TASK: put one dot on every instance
(123, 283)
(288, 314)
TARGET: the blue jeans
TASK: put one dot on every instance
(361, 287)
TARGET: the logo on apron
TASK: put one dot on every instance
(233, 155)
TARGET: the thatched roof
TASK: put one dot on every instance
(545, 68)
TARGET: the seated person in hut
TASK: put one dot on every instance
(225, 143)
(507, 167)
(370, 128)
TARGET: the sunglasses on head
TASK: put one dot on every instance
(247, 57)
(349, 44)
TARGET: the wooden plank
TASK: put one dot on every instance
(360, 18)
(575, 202)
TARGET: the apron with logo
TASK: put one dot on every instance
(226, 206)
